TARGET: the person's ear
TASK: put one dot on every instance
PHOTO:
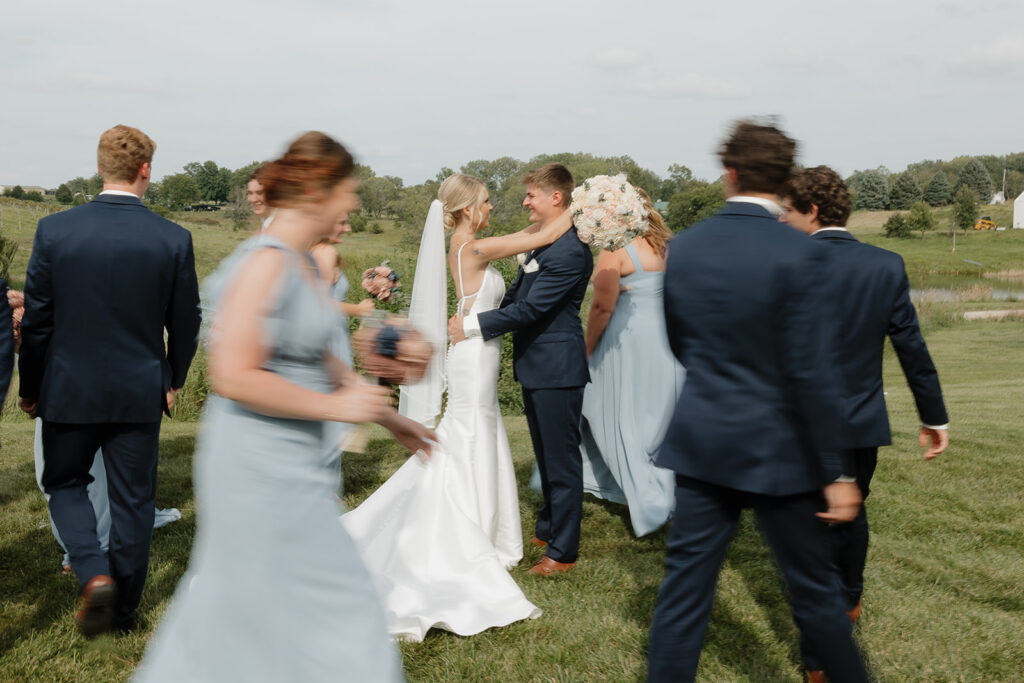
(145, 170)
(556, 198)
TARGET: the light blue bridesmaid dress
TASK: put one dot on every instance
(341, 347)
(634, 384)
(275, 589)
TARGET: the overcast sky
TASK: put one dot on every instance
(414, 86)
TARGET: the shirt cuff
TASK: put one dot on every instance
(845, 480)
(942, 428)
(471, 326)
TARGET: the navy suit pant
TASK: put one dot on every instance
(851, 541)
(702, 528)
(554, 419)
(130, 460)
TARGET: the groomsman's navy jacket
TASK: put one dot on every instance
(746, 315)
(872, 293)
(104, 281)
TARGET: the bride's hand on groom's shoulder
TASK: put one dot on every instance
(455, 331)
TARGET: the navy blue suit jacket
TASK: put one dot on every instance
(542, 309)
(104, 281)
(6, 342)
(872, 292)
(745, 315)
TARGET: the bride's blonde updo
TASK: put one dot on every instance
(457, 192)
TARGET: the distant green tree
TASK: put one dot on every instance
(238, 209)
(240, 176)
(896, 226)
(94, 185)
(214, 182)
(178, 191)
(63, 194)
(920, 218)
(693, 205)
(904, 192)
(152, 194)
(16, 192)
(33, 196)
(78, 200)
(680, 178)
(497, 174)
(358, 221)
(872, 192)
(965, 207)
(977, 178)
(377, 193)
(938, 192)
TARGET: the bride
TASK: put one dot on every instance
(440, 535)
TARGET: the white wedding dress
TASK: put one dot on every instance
(438, 537)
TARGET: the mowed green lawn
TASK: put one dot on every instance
(945, 580)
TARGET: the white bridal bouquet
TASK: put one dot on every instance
(608, 212)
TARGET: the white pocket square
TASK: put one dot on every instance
(531, 267)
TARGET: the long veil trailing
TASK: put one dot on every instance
(428, 311)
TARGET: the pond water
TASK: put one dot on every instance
(965, 288)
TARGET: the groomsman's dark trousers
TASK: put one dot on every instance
(130, 460)
(851, 552)
(702, 528)
(554, 419)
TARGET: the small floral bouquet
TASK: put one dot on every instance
(392, 349)
(608, 212)
(16, 300)
(381, 281)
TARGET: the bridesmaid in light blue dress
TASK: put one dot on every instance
(634, 380)
(275, 589)
(328, 264)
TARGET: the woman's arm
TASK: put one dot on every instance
(359, 310)
(492, 248)
(606, 295)
(326, 259)
(237, 356)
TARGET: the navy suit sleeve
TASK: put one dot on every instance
(6, 343)
(183, 317)
(672, 322)
(37, 322)
(554, 282)
(915, 360)
(806, 328)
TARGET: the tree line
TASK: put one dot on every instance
(689, 199)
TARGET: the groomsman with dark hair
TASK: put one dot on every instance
(105, 281)
(756, 424)
(870, 289)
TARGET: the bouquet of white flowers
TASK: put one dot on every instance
(607, 212)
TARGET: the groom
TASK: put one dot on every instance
(542, 310)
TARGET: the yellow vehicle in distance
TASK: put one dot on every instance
(985, 223)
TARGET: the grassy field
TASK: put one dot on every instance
(945, 580)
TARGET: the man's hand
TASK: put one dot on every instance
(28, 406)
(843, 498)
(170, 398)
(939, 439)
(455, 331)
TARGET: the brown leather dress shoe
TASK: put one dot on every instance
(96, 613)
(538, 543)
(547, 566)
(854, 614)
